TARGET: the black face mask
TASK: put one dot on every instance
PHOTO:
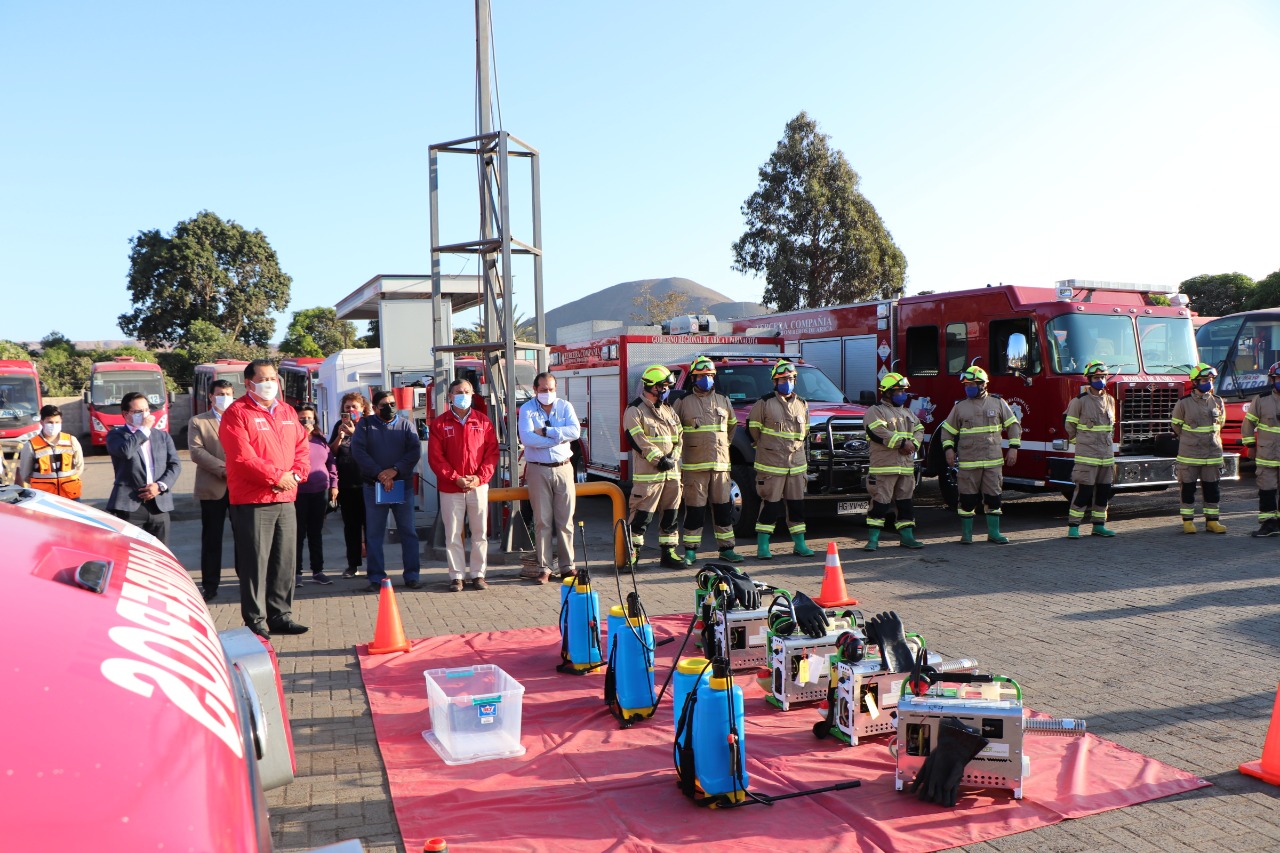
(387, 410)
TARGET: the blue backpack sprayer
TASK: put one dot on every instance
(580, 651)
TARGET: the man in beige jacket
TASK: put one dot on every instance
(211, 484)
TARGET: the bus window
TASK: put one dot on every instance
(1214, 340)
(1257, 347)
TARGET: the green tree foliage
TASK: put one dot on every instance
(205, 342)
(14, 351)
(812, 235)
(209, 269)
(1218, 295)
(317, 332)
(373, 338)
(1266, 294)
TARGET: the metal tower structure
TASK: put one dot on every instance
(494, 151)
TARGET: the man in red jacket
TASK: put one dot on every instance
(462, 450)
(267, 458)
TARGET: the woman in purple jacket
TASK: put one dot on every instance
(315, 493)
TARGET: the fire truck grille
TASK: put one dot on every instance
(1144, 416)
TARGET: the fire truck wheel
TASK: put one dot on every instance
(746, 511)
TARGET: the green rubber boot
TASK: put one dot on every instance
(1073, 531)
(801, 549)
(907, 537)
(1100, 529)
(873, 539)
(690, 556)
(993, 531)
(730, 556)
(762, 547)
(966, 530)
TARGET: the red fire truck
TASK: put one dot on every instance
(20, 403)
(1243, 347)
(109, 381)
(1034, 343)
(601, 376)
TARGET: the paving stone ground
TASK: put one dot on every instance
(1167, 644)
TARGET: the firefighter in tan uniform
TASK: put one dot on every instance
(654, 432)
(1261, 430)
(1090, 424)
(972, 433)
(708, 424)
(52, 460)
(1197, 422)
(779, 424)
(894, 434)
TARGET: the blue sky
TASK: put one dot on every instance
(1000, 141)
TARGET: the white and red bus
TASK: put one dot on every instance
(229, 369)
(109, 381)
(1242, 347)
(298, 380)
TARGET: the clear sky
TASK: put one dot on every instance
(1020, 142)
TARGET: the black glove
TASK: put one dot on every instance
(809, 616)
(666, 463)
(885, 630)
(939, 779)
(745, 593)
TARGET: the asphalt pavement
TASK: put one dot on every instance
(1166, 643)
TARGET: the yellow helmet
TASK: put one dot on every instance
(783, 368)
(1203, 371)
(702, 365)
(1095, 366)
(893, 381)
(656, 374)
(974, 374)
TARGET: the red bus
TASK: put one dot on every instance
(298, 380)
(20, 401)
(230, 369)
(1242, 347)
(109, 381)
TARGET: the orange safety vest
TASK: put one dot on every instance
(51, 460)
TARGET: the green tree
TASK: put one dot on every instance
(1218, 295)
(209, 269)
(14, 351)
(205, 342)
(810, 232)
(317, 332)
(653, 310)
(373, 338)
(56, 339)
(63, 370)
(1266, 294)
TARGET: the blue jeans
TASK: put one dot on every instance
(376, 532)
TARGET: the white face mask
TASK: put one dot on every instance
(50, 430)
(222, 401)
(462, 401)
(267, 389)
(136, 418)
(546, 398)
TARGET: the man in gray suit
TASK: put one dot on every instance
(146, 468)
(211, 484)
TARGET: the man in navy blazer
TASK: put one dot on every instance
(146, 466)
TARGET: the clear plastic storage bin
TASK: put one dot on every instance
(475, 713)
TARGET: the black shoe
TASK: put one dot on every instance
(288, 626)
(261, 630)
(413, 584)
(671, 561)
(350, 573)
(208, 596)
(1268, 528)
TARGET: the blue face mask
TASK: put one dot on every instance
(972, 391)
(704, 383)
(1097, 384)
(666, 392)
(1204, 387)
(786, 387)
(1276, 385)
(899, 398)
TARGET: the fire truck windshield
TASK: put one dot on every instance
(17, 400)
(743, 383)
(1168, 345)
(109, 386)
(1077, 339)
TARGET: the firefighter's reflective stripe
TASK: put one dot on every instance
(1190, 460)
(1095, 460)
(1186, 428)
(774, 469)
(791, 436)
(981, 463)
(892, 469)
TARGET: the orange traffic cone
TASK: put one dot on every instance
(389, 636)
(1268, 767)
(833, 592)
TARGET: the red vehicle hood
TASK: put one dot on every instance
(123, 730)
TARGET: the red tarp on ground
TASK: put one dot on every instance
(586, 785)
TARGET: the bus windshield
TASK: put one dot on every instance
(743, 383)
(1243, 361)
(1168, 345)
(1077, 339)
(17, 400)
(108, 387)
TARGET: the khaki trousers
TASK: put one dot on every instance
(552, 496)
(473, 507)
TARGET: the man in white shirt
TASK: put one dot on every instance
(548, 426)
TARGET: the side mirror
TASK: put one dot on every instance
(44, 389)
(85, 396)
(1018, 356)
(172, 398)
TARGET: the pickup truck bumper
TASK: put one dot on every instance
(1139, 472)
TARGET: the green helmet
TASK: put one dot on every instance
(1203, 371)
(974, 374)
(655, 374)
(892, 381)
(702, 365)
(783, 368)
(1095, 366)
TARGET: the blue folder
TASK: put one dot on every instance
(394, 495)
